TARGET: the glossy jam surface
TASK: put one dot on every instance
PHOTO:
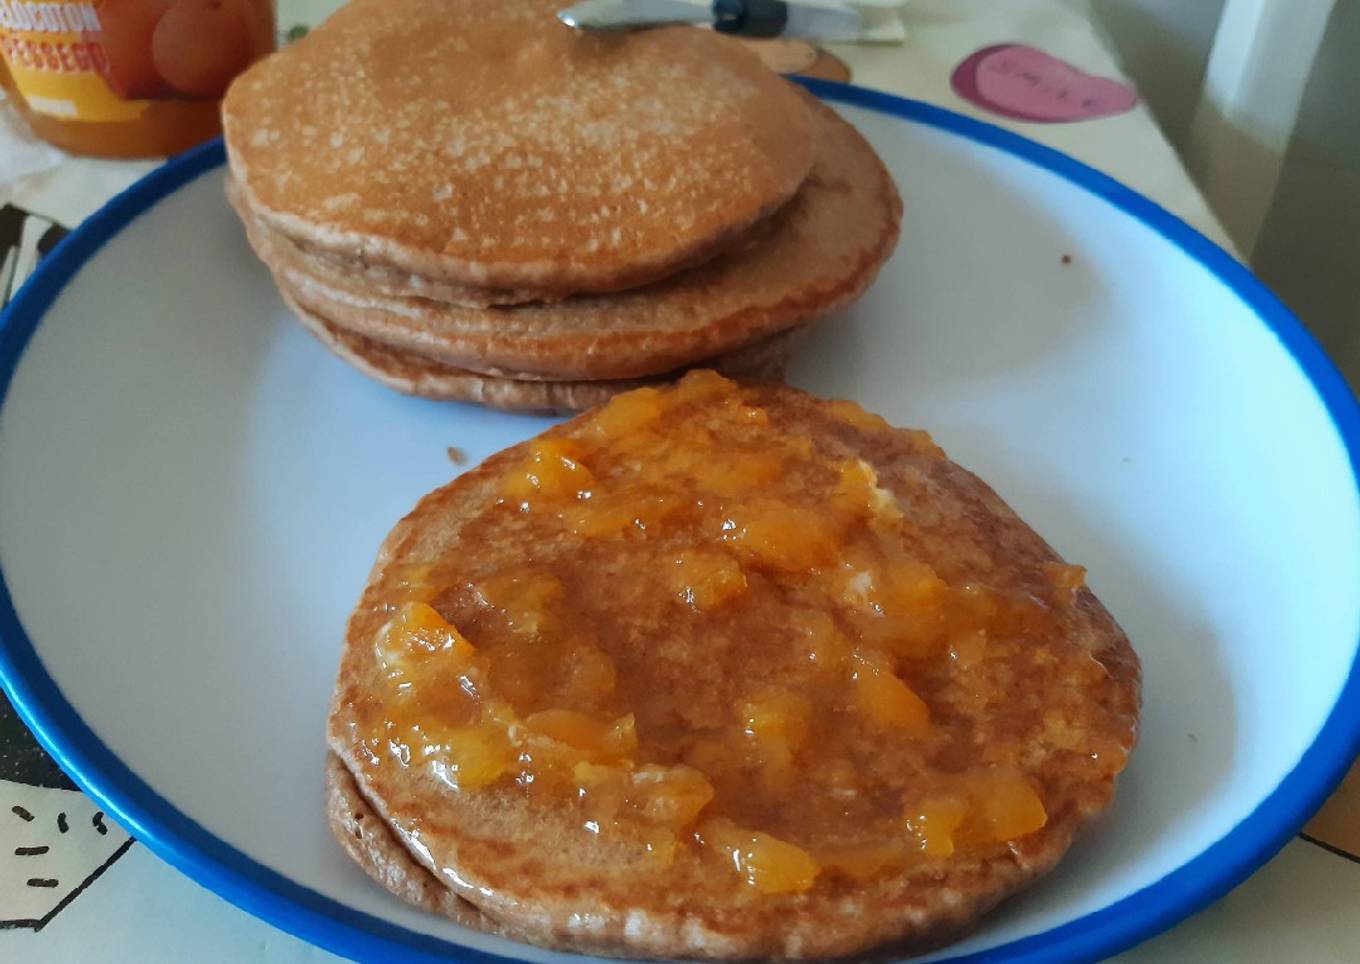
(718, 637)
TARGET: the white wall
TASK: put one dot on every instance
(1163, 45)
(1309, 247)
(1309, 250)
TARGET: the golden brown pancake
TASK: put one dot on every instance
(824, 693)
(366, 838)
(386, 280)
(370, 844)
(412, 374)
(817, 254)
(378, 278)
(490, 145)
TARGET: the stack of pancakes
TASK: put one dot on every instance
(471, 201)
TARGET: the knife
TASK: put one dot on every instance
(747, 18)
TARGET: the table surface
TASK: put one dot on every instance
(118, 902)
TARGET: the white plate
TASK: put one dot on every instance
(192, 491)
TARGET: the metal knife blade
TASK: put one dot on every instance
(764, 18)
(631, 14)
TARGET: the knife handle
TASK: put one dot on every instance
(751, 18)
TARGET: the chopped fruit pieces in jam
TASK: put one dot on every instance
(617, 515)
(594, 740)
(713, 638)
(1005, 806)
(818, 639)
(653, 804)
(864, 861)
(849, 411)
(858, 491)
(526, 598)
(627, 414)
(934, 821)
(739, 477)
(553, 470)
(417, 643)
(780, 719)
(706, 580)
(770, 865)
(590, 677)
(903, 608)
(469, 757)
(1066, 581)
(885, 699)
(781, 536)
(778, 723)
(981, 806)
(670, 796)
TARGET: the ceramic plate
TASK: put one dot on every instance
(192, 491)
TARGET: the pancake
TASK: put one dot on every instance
(371, 845)
(369, 842)
(411, 374)
(816, 255)
(489, 145)
(386, 280)
(868, 825)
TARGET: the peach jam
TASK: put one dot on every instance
(700, 624)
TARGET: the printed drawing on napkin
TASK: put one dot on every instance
(24, 239)
(54, 841)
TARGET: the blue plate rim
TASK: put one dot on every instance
(186, 845)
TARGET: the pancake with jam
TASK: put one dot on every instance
(413, 374)
(815, 256)
(486, 144)
(389, 281)
(726, 671)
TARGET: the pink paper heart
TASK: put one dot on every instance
(1024, 83)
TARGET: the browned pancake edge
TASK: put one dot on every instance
(412, 374)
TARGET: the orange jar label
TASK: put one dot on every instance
(108, 60)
